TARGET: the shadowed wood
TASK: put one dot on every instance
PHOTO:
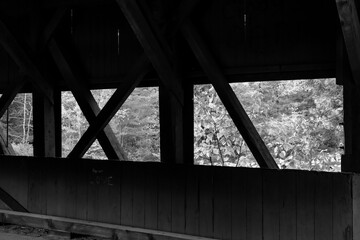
(52, 25)
(91, 228)
(11, 202)
(10, 93)
(228, 97)
(87, 103)
(23, 60)
(350, 25)
(43, 125)
(152, 47)
(236, 203)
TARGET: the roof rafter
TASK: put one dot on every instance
(228, 97)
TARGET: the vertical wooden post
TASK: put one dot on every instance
(171, 127)
(58, 116)
(43, 126)
(351, 91)
(188, 123)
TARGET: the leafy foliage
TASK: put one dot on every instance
(298, 121)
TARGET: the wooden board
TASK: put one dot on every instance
(139, 197)
(192, 202)
(254, 209)
(238, 205)
(323, 198)
(287, 192)
(164, 199)
(206, 206)
(178, 200)
(342, 207)
(222, 203)
(151, 197)
(271, 205)
(305, 195)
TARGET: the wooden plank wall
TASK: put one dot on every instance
(217, 202)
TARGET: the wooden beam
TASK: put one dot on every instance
(350, 26)
(58, 123)
(152, 47)
(10, 93)
(228, 97)
(11, 202)
(24, 61)
(86, 101)
(96, 229)
(136, 74)
(52, 25)
(43, 126)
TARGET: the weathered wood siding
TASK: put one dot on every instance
(219, 202)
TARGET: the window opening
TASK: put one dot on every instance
(299, 121)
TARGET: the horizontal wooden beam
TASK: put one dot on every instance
(24, 61)
(228, 97)
(86, 101)
(136, 74)
(96, 229)
(350, 25)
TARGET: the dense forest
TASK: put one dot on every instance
(299, 121)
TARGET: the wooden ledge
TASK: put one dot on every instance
(84, 227)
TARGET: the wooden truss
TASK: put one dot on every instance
(176, 114)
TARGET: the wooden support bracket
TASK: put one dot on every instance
(228, 97)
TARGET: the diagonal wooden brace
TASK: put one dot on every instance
(228, 97)
(134, 77)
(152, 47)
(86, 101)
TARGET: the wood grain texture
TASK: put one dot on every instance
(271, 205)
(323, 199)
(305, 205)
(342, 207)
(254, 208)
(287, 192)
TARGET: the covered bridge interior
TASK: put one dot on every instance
(77, 45)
